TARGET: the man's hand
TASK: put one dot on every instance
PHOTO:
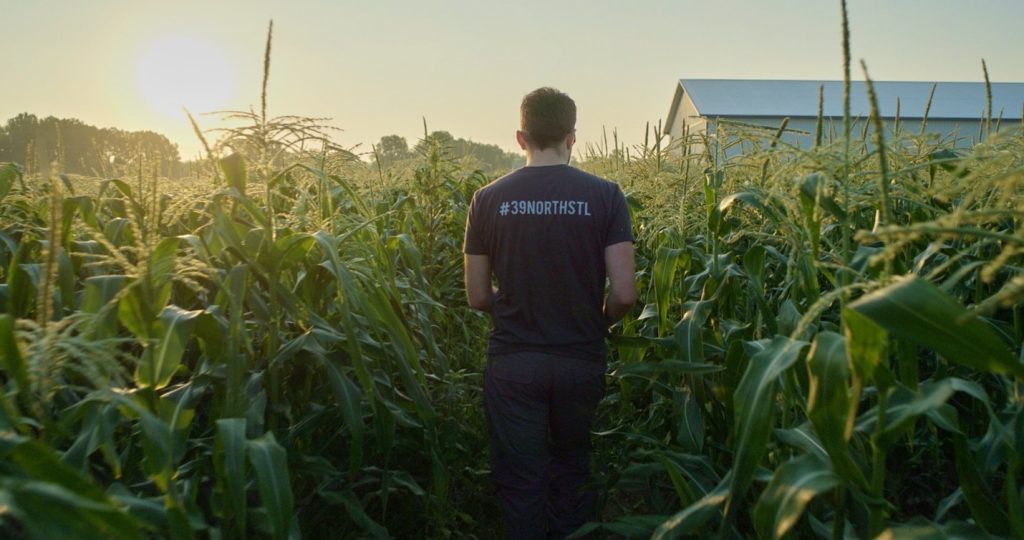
(479, 292)
(619, 265)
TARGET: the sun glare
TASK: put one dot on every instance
(184, 71)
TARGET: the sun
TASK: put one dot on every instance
(184, 71)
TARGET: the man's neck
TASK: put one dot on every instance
(546, 157)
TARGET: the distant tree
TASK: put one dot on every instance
(488, 157)
(392, 149)
(442, 139)
(17, 134)
(491, 156)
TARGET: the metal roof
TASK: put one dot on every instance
(781, 98)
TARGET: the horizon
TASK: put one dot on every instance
(463, 67)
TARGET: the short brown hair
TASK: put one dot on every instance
(546, 117)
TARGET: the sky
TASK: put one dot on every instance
(382, 67)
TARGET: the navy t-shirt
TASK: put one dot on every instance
(544, 230)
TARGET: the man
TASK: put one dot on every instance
(551, 235)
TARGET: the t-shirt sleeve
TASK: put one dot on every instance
(473, 243)
(619, 228)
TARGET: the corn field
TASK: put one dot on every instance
(828, 343)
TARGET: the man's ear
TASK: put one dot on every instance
(570, 140)
(521, 139)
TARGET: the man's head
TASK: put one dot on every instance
(547, 118)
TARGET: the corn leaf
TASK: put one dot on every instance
(229, 462)
(162, 262)
(158, 447)
(917, 311)
(355, 511)
(688, 332)
(20, 291)
(922, 529)
(803, 438)
(792, 487)
(865, 342)
(290, 250)
(9, 172)
(754, 407)
(985, 510)
(716, 215)
(234, 171)
(51, 511)
(690, 425)
(210, 329)
(65, 281)
(406, 355)
(666, 263)
(12, 361)
(828, 402)
(58, 498)
(270, 462)
(690, 519)
(683, 490)
(136, 313)
(100, 291)
(157, 367)
(637, 527)
(119, 232)
(814, 188)
(673, 367)
(347, 394)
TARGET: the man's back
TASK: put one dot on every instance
(545, 230)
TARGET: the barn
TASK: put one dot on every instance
(957, 111)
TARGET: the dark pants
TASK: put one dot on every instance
(539, 410)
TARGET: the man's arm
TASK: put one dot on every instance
(479, 292)
(618, 261)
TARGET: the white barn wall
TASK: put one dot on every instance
(688, 116)
(953, 118)
(800, 131)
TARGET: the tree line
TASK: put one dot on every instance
(79, 148)
(393, 150)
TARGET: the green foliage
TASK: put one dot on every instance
(288, 353)
(303, 361)
(890, 422)
(291, 368)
